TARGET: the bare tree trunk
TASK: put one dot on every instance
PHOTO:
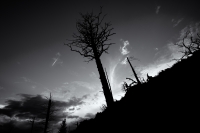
(107, 93)
(134, 72)
(47, 115)
(108, 81)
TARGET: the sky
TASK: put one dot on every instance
(34, 61)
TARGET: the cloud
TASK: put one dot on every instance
(158, 9)
(27, 80)
(93, 75)
(72, 109)
(2, 106)
(176, 23)
(18, 112)
(66, 83)
(123, 49)
(123, 62)
(4, 119)
(30, 105)
(75, 101)
(73, 117)
(89, 115)
(18, 126)
(59, 93)
(24, 80)
(193, 28)
(84, 84)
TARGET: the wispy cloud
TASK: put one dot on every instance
(123, 62)
(60, 93)
(66, 83)
(73, 116)
(93, 75)
(25, 79)
(176, 23)
(158, 9)
(193, 28)
(84, 84)
(57, 60)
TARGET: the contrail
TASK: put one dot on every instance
(56, 59)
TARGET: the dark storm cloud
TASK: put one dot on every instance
(74, 101)
(13, 125)
(30, 106)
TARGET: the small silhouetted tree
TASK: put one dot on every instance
(32, 121)
(63, 127)
(190, 46)
(91, 42)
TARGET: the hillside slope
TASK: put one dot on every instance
(167, 102)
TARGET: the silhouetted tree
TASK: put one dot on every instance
(63, 127)
(49, 114)
(189, 46)
(90, 42)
